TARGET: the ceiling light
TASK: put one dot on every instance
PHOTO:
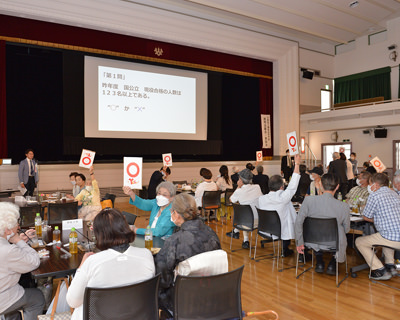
(353, 4)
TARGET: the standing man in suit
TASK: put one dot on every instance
(27, 173)
(325, 206)
(338, 168)
(287, 166)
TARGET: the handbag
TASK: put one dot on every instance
(57, 316)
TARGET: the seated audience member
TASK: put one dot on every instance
(206, 185)
(304, 184)
(261, 179)
(117, 264)
(156, 178)
(223, 181)
(246, 193)
(279, 199)
(325, 207)
(396, 184)
(250, 166)
(89, 199)
(160, 207)
(383, 209)
(75, 187)
(367, 167)
(359, 194)
(193, 237)
(16, 258)
(315, 188)
(235, 175)
(80, 184)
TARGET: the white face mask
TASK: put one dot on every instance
(369, 189)
(10, 236)
(73, 182)
(311, 177)
(172, 220)
(162, 201)
(358, 182)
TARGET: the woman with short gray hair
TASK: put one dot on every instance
(16, 258)
(193, 237)
(160, 207)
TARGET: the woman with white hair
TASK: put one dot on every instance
(16, 258)
(160, 207)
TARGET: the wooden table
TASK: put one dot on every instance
(55, 266)
(7, 192)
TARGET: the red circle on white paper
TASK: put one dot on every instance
(167, 158)
(341, 149)
(290, 141)
(137, 170)
(377, 163)
(259, 155)
(84, 161)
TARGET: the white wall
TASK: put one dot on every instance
(310, 90)
(365, 145)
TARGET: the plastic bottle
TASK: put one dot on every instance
(148, 238)
(339, 197)
(73, 242)
(56, 234)
(38, 225)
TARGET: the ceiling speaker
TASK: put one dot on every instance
(380, 133)
(308, 74)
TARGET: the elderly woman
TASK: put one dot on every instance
(160, 207)
(16, 258)
(193, 237)
(89, 197)
(117, 264)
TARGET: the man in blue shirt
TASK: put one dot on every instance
(383, 209)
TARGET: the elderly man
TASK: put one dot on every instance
(325, 207)
(246, 193)
(338, 167)
(280, 200)
(16, 258)
(360, 192)
(383, 209)
(396, 183)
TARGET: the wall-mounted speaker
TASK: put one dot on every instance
(380, 133)
(308, 74)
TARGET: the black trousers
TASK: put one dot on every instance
(30, 186)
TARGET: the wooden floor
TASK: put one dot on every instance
(312, 296)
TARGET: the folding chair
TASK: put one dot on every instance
(374, 246)
(209, 298)
(138, 301)
(28, 214)
(211, 201)
(243, 219)
(57, 212)
(321, 231)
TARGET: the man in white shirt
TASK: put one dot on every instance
(246, 193)
(279, 199)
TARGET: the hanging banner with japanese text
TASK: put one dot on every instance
(266, 131)
(133, 172)
(87, 158)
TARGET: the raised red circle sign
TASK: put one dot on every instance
(377, 163)
(128, 170)
(167, 158)
(292, 141)
(86, 161)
